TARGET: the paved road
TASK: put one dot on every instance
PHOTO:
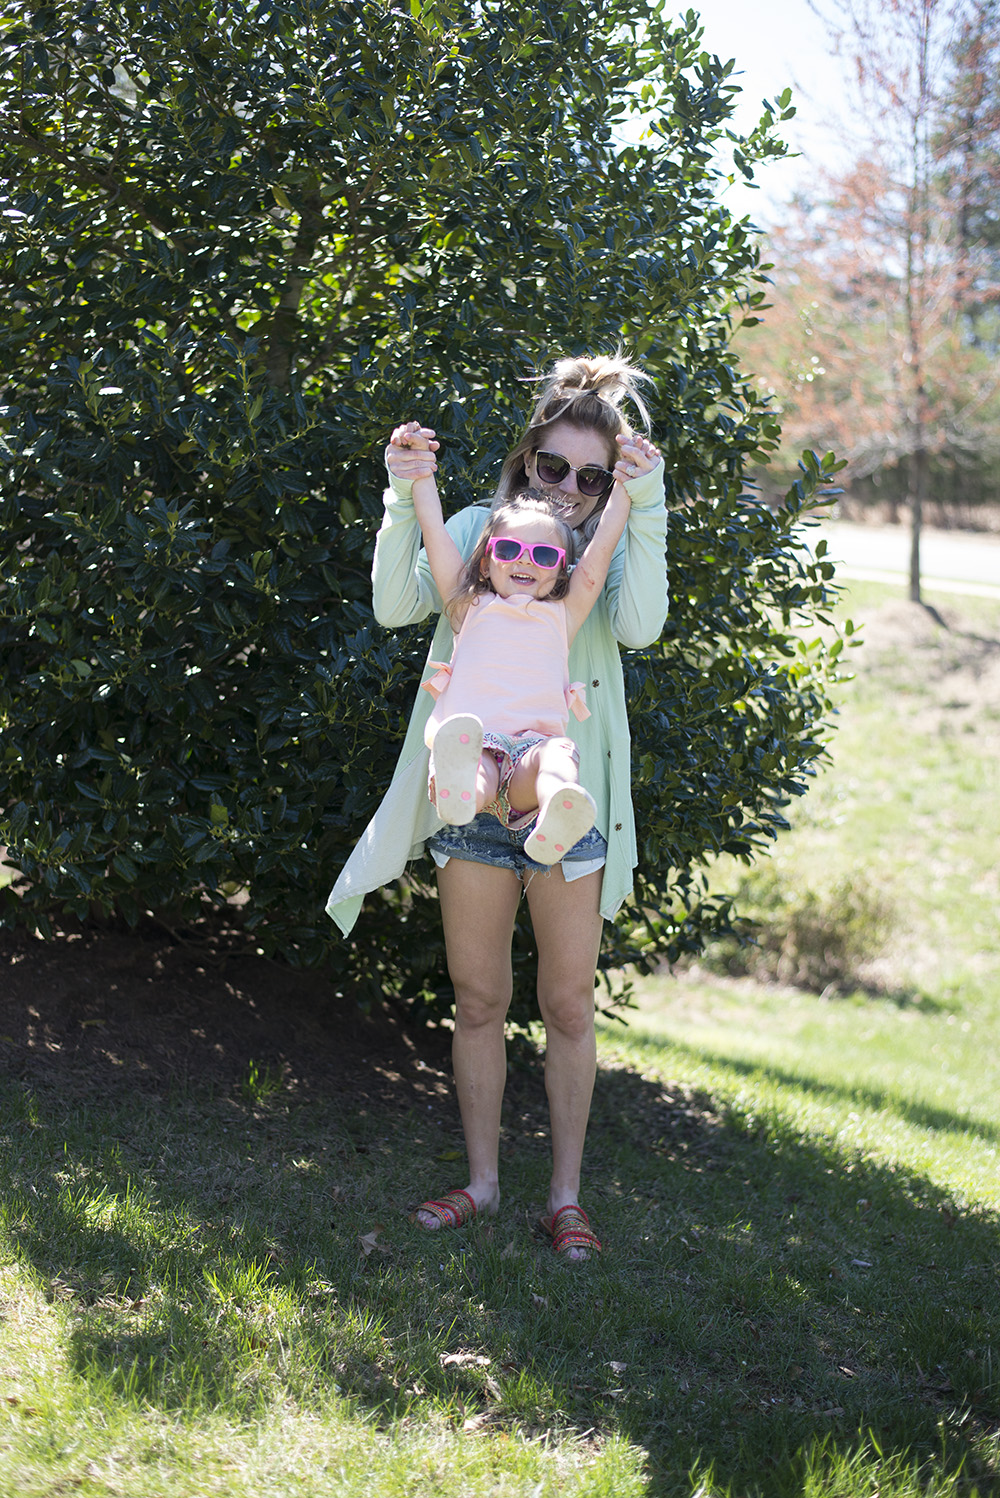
(950, 561)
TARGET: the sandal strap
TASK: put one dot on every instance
(575, 1230)
(452, 1210)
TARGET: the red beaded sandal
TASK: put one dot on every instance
(570, 1228)
(452, 1211)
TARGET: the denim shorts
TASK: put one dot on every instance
(485, 840)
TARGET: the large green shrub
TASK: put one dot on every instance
(240, 243)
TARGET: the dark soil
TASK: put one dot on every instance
(149, 1011)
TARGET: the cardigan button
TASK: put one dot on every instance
(595, 683)
(618, 826)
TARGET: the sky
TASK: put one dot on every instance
(779, 44)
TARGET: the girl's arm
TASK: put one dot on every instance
(410, 455)
(445, 559)
(588, 576)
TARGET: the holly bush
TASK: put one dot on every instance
(239, 244)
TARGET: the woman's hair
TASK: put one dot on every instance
(587, 393)
(475, 581)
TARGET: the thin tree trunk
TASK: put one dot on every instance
(283, 332)
(917, 237)
(918, 493)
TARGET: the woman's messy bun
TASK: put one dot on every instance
(577, 382)
(588, 392)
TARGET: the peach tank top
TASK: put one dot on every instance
(509, 667)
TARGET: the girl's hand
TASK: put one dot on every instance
(411, 449)
(637, 456)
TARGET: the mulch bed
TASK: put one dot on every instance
(150, 1011)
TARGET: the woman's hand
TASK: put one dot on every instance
(410, 453)
(637, 456)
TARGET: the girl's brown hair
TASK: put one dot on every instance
(475, 581)
(588, 393)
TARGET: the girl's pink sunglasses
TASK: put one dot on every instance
(541, 553)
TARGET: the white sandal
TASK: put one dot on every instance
(562, 821)
(455, 756)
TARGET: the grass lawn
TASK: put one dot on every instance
(215, 1288)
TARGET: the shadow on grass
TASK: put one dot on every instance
(912, 999)
(923, 1115)
(916, 1000)
(761, 1295)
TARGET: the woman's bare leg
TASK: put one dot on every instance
(567, 924)
(478, 906)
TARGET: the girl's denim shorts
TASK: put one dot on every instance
(485, 840)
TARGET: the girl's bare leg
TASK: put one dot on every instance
(487, 782)
(541, 772)
(567, 924)
(478, 905)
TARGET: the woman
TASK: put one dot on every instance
(575, 445)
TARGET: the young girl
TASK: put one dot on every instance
(497, 733)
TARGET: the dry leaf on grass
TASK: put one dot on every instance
(369, 1241)
(464, 1360)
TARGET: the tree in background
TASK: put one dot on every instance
(967, 151)
(880, 339)
(836, 351)
(241, 243)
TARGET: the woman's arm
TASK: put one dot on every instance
(636, 588)
(403, 590)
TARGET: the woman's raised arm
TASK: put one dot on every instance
(403, 590)
(636, 589)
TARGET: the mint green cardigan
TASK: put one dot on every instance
(630, 612)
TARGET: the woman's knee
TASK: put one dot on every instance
(480, 1002)
(569, 1011)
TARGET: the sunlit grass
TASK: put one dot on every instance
(299, 1330)
(892, 1105)
(909, 1069)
